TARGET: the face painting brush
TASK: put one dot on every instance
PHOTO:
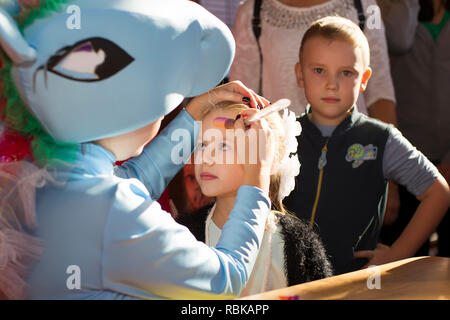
(228, 123)
(275, 107)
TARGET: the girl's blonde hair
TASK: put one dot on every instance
(274, 121)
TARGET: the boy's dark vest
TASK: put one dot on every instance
(350, 207)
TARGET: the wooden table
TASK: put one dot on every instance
(423, 278)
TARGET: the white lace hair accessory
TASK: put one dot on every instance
(290, 165)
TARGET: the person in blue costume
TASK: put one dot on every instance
(93, 80)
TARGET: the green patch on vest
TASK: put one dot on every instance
(358, 154)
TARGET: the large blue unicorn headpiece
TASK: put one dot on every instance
(91, 69)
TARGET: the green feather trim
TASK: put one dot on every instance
(16, 116)
(45, 8)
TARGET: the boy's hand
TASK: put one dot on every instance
(381, 255)
(234, 91)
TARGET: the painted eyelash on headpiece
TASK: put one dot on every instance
(107, 68)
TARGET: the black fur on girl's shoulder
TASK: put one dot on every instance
(305, 258)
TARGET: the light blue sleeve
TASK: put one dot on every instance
(164, 156)
(146, 254)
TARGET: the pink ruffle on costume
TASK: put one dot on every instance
(18, 250)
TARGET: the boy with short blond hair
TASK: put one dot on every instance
(347, 158)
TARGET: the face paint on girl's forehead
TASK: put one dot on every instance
(223, 123)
